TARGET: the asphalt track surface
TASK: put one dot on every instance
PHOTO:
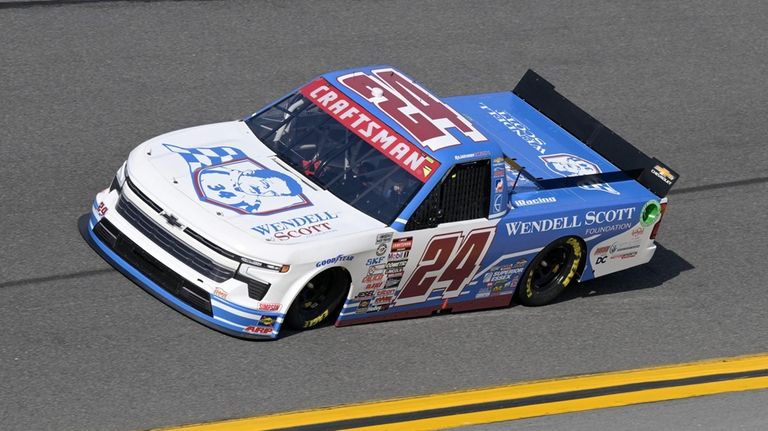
(81, 84)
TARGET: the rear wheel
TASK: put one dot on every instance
(318, 300)
(553, 269)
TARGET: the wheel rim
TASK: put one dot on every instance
(552, 268)
(317, 296)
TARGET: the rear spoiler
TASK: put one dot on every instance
(648, 171)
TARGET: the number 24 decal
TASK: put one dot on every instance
(441, 266)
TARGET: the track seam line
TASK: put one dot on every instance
(27, 4)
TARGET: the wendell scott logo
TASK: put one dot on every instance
(568, 222)
(568, 165)
(297, 227)
(224, 176)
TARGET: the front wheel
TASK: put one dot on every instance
(318, 299)
(551, 272)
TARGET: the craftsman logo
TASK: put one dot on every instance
(568, 165)
(415, 109)
(368, 128)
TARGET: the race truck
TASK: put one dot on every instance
(360, 196)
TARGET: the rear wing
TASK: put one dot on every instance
(648, 171)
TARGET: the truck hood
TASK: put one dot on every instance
(225, 184)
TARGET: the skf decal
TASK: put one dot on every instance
(412, 107)
(368, 128)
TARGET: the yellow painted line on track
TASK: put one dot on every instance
(571, 406)
(467, 398)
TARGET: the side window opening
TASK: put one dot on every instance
(518, 179)
(463, 194)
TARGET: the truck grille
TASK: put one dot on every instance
(168, 242)
(155, 270)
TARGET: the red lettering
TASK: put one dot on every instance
(435, 257)
(378, 135)
(433, 270)
(412, 107)
(463, 266)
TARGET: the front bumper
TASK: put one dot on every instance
(175, 290)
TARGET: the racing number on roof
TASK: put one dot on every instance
(432, 273)
(412, 107)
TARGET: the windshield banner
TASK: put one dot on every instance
(371, 130)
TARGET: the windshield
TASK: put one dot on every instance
(333, 157)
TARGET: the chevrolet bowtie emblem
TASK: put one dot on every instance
(171, 219)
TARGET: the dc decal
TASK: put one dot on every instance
(568, 165)
(224, 176)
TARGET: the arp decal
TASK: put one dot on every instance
(415, 109)
(449, 262)
(224, 176)
(368, 128)
(568, 165)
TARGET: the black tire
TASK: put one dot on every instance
(318, 300)
(550, 272)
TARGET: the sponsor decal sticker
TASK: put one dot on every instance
(364, 294)
(536, 201)
(257, 330)
(376, 133)
(402, 244)
(102, 209)
(381, 249)
(602, 249)
(472, 155)
(399, 255)
(589, 218)
(384, 237)
(221, 293)
(225, 177)
(297, 227)
(372, 278)
(337, 259)
(266, 320)
(373, 286)
(374, 261)
(265, 306)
